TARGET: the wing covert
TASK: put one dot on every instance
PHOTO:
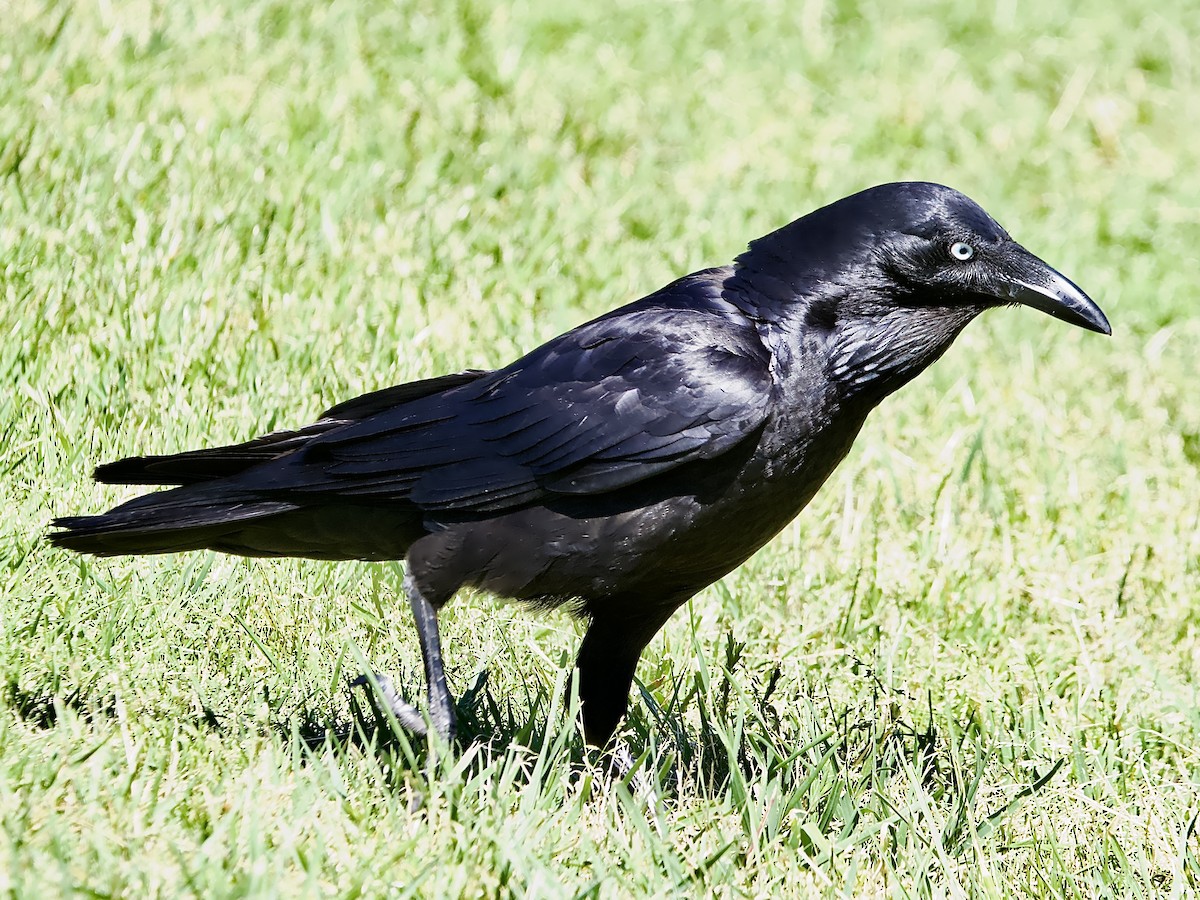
(609, 404)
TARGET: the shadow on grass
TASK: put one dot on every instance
(43, 708)
(720, 726)
(795, 769)
(796, 766)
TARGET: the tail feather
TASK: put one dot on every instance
(210, 464)
(210, 509)
(187, 518)
(196, 466)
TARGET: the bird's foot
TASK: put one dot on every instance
(633, 773)
(381, 690)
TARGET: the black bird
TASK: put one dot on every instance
(620, 467)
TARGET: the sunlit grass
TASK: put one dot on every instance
(968, 669)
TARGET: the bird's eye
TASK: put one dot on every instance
(962, 252)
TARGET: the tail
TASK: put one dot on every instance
(210, 464)
(195, 516)
(185, 518)
(191, 517)
(209, 506)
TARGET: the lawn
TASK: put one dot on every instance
(970, 668)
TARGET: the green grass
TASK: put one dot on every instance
(969, 668)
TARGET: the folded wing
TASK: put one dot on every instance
(605, 406)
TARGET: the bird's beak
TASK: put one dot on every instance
(1029, 281)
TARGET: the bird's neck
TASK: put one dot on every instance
(870, 357)
(872, 338)
(805, 258)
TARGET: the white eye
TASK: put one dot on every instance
(962, 252)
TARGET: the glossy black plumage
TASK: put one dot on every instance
(628, 463)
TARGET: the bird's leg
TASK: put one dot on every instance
(607, 659)
(441, 703)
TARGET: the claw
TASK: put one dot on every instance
(406, 714)
(623, 767)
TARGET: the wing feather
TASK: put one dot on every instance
(625, 398)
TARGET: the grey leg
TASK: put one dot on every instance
(407, 715)
(441, 704)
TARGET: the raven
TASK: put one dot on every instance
(624, 465)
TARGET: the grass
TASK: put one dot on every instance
(969, 668)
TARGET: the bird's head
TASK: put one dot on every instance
(940, 246)
(894, 272)
(912, 243)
